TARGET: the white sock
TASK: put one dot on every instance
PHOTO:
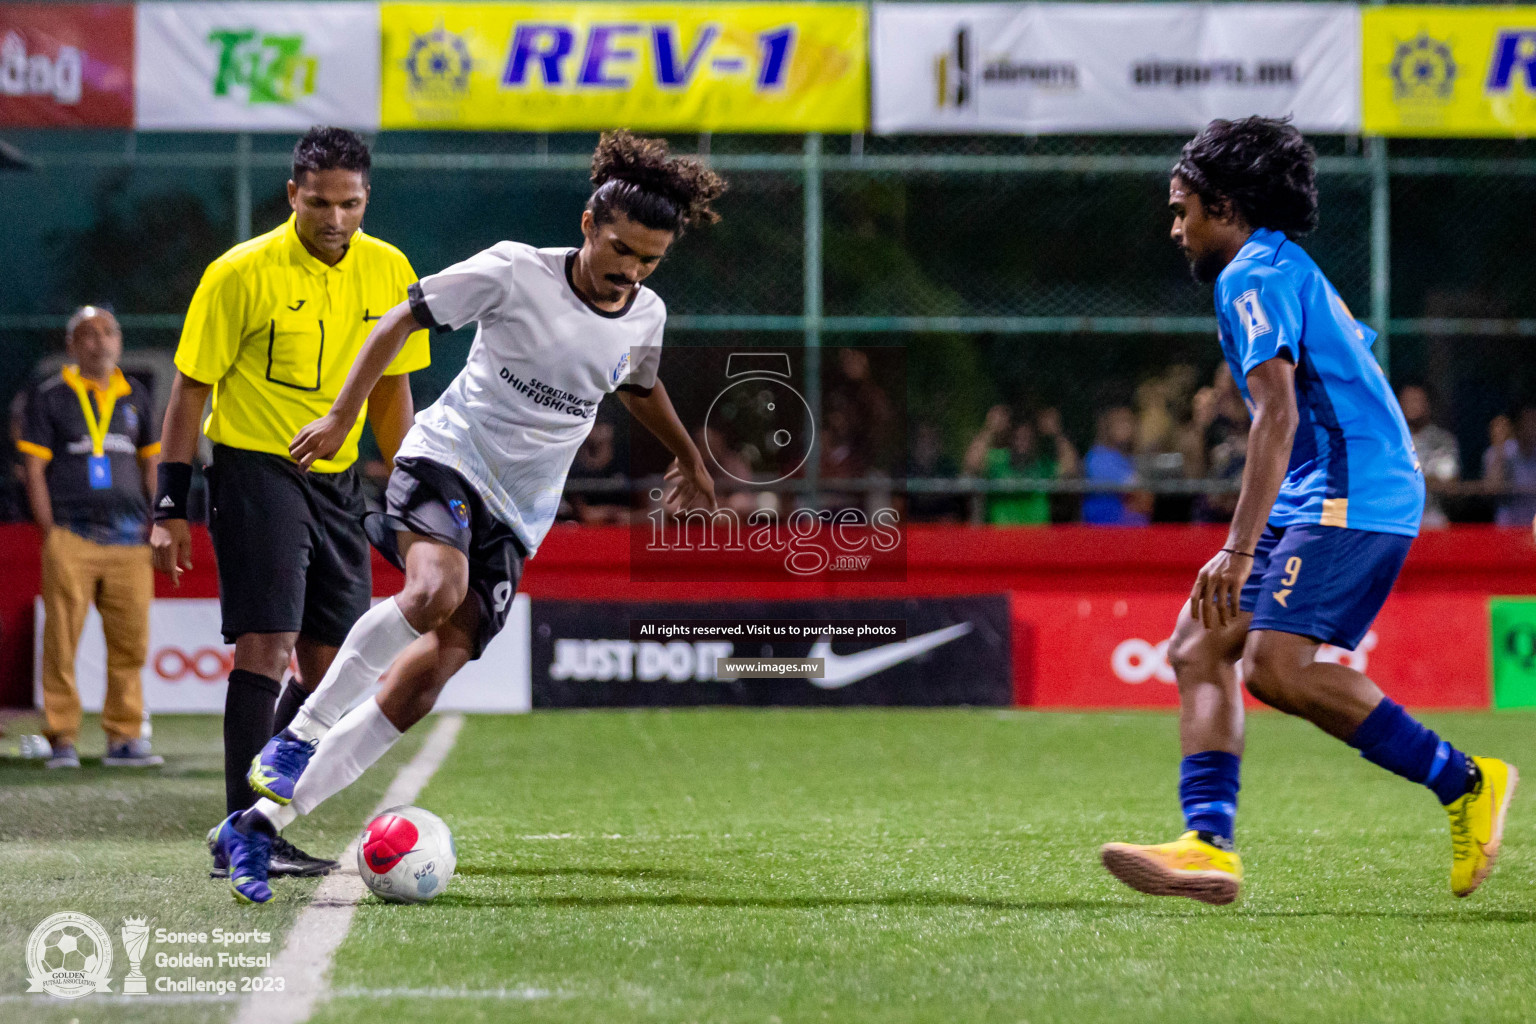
(280, 817)
(370, 648)
(358, 740)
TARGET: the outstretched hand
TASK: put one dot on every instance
(691, 486)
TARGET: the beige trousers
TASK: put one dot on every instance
(121, 582)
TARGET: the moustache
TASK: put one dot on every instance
(620, 280)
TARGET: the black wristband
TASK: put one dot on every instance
(1234, 551)
(175, 480)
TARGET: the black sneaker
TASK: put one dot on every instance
(288, 859)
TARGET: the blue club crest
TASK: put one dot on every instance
(460, 512)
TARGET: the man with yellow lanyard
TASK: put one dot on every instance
(271, 333)
(90, 444)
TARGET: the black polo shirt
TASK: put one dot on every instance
(108, 511)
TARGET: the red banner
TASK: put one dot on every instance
(1110, 650)
(66, 65)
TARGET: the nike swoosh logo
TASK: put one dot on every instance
(1281, 595)
(367, 318)
(383, 864)
(843, 669)
(299, 306)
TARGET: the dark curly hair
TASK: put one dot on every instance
(636, 177)
(324, 149)
(1259, 166)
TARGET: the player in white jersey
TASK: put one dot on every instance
(479, 476)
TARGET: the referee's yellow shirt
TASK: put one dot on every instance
(275, 331)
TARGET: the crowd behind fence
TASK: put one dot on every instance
(1056, 349)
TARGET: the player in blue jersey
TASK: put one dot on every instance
(1331, 499)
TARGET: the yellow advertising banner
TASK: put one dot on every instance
(649, 66)
(1442, 71)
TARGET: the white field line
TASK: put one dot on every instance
(306, 958)
(526, 994)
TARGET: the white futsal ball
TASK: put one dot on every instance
(406, 855)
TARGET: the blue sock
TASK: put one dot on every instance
(1208, 791)
(1389, 737)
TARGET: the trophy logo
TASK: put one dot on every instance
(135, 932)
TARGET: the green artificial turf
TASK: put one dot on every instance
(932, 866)
(837, 865)
(115, 842)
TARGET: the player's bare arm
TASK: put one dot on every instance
(324, 437)
(1273, 386)
(170, 540)
(391, 411)
(689, 478)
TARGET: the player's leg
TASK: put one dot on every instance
(1201, 863)
(436, 580)
(313, 659)
(410, 689)
(1327, 585)
(263, 540)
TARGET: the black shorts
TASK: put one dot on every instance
(290, 545)
(428, 498)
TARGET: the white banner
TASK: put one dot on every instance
(256, 66)
(1044, 68)
(188, 664)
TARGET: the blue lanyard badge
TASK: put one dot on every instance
(99, 469)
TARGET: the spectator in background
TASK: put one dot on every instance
(1510, 462)
(1439, 455)
(1110, 461)
(1215, 444)
(91, 446)
(928, 460)
(873, 431)
(1005, 450)
(598, 459)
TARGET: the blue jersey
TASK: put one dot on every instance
(1352, 463)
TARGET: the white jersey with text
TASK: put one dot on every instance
(542, 359)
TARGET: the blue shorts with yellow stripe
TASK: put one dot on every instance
(1324, 582)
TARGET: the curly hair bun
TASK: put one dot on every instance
(646, 173)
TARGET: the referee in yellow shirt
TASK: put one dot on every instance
(272, 331)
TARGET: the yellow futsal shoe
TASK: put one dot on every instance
(1188, 866)
(1477, 824)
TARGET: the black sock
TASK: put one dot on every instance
(252, 820)
(248, 707)
(288, 704)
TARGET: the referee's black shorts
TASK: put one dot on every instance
(291, 549)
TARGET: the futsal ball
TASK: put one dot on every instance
(406, 855)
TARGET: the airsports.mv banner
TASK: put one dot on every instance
(690, 67)
(1443, 71)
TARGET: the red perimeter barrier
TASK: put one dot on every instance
(1090, 604)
